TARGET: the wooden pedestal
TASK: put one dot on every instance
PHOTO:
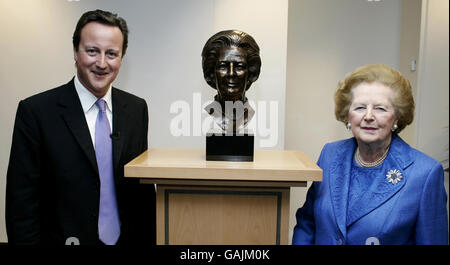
(210, 202)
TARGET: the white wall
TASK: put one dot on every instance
(432, 136)
(162, 64)
(326, 40)
(409, 52)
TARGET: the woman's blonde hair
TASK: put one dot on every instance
(402, 101)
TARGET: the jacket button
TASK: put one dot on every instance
(339, 241)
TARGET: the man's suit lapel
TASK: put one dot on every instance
(381, 189)
(73, 114)
(120, 120)
(339, 182)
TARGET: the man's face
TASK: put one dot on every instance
(232, 73)
(99, 57)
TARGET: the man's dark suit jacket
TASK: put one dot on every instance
(53, 186)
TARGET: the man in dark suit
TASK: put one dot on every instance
(65, 182)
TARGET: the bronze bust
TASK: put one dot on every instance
(231, 63)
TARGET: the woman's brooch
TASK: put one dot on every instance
(394, 176)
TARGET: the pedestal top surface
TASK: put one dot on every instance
(190, 163)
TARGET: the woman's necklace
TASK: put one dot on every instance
(378, 162)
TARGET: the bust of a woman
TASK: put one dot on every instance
(231, 63)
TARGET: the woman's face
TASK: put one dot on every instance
(372, 114)
(231, 73)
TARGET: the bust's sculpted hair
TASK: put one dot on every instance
(230, 38)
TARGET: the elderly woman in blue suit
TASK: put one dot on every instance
(376, 189)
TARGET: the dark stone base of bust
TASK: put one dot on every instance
(224, 147)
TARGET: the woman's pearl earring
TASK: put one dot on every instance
(349, 126)
(394, 128)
